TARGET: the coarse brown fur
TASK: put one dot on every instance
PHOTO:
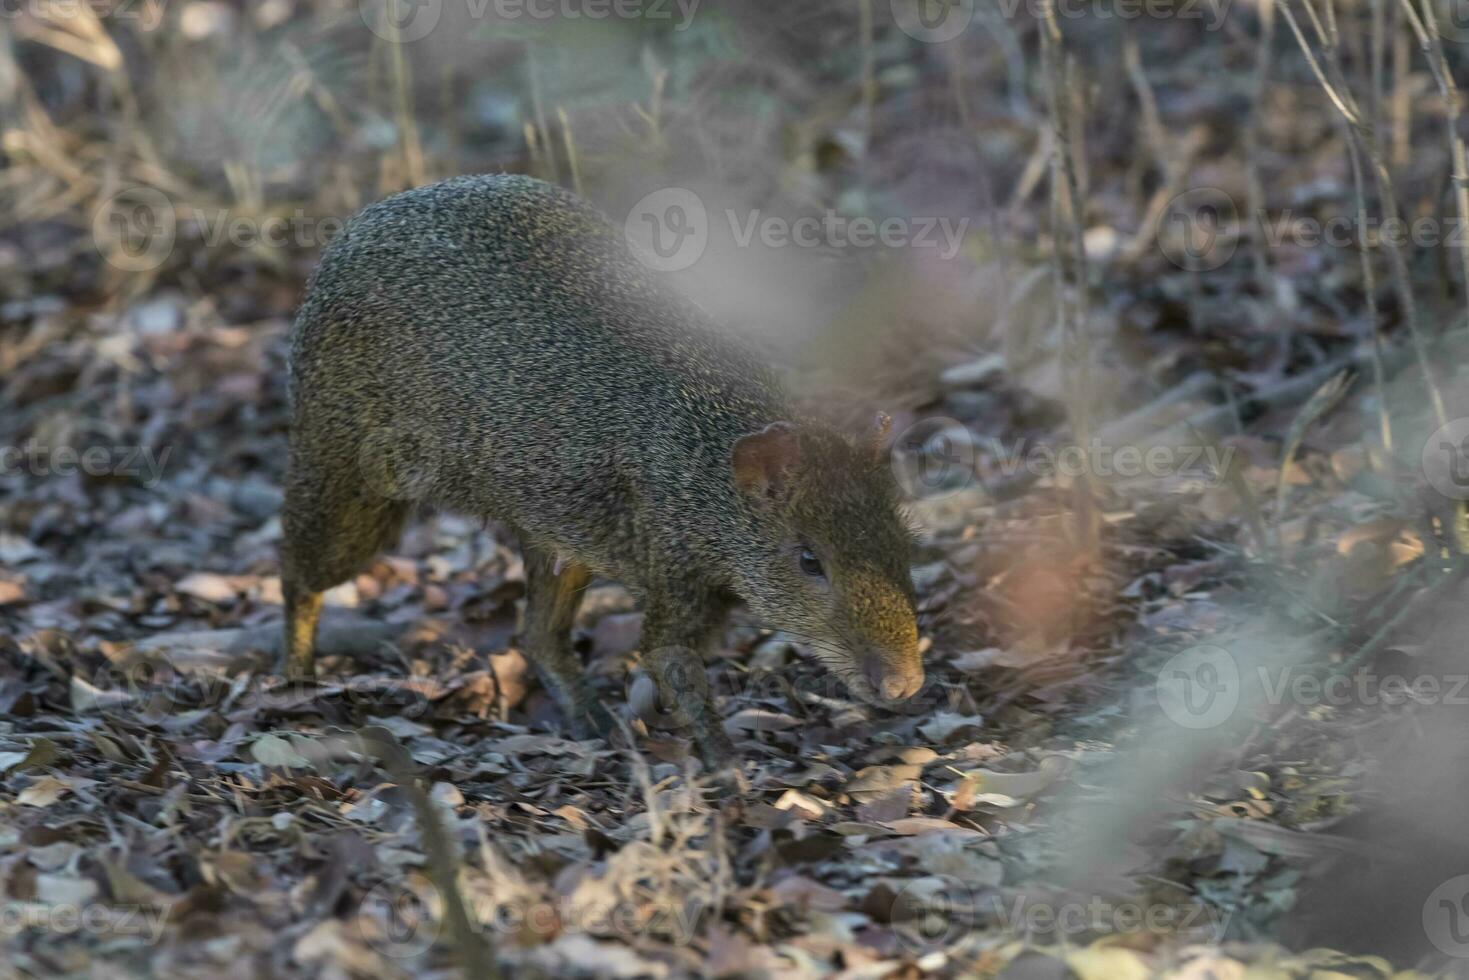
(489, 345)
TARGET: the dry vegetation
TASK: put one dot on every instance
(1160, 734)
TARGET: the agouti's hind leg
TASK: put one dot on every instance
(332, 528)
(552, 597)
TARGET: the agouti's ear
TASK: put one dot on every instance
(763, 460)
(877, 435)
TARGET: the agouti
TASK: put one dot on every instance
(489, 345)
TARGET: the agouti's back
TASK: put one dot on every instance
(505, 351)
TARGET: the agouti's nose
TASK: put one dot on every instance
(893, 683)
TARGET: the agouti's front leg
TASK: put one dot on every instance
(675, 633)
(553, 592)
(333, 524)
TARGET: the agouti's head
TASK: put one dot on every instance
(830, 558)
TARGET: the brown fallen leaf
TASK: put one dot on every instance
(1099, 962)
(65, 889)
(805, 893)
(759, 720)
(44, 791)
(272, 750)
(945, 724)
(535, 745)
(874, 781)
(802, 804)
(210, 587)
(890, 807)
(912, 826)
(85, 697)
(617, 634)
(1020, 785)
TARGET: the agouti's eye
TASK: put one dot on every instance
(811, 565)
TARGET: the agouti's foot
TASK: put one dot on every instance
(300, 673)
(642, 697)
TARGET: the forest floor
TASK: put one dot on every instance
(1196, 685)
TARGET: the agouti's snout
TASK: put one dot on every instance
(893, 679)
